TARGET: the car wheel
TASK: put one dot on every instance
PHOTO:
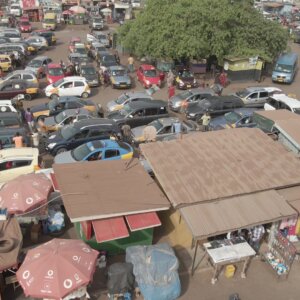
(27, 97)
(61, 150)
(54, 97)
(85, 95)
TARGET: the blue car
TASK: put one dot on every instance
(96, 150)
(241, 117)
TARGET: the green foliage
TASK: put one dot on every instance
(200, 28)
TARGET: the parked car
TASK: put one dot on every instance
(7, 106)
(98, 36)
(185, 79)
(89, 72)
(73, 41)
(96, 23)
(54, 72)
(147, 75)
(256, 96)
(39, 42)
(126, 98)
(48, 35)
(215, 105)
(119, 77)
(183, 99)
(108, 60)
(78, 133)
(80, 48)
(96, 150)
(17, 161)
(240, 117)
(282, 101)
(13, 36)
(21, 75)
(11, 88)
(75, 59)
(38, 65)
(138, 113)
(54, 107)
(97, 50)
(66, 117)
(68, 86)
(25, 26)
(6, 63)
(10, 124)
(166, 128)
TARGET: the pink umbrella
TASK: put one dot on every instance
(67, 12)
(78, 9)
(57, 268)
(25, 193)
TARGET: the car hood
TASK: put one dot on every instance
(153, 79)
(39, 107)
(109, 63)
(218, 122)
(54, 138)
(176, 99)
(34, 70)
(111, 104)
(91, 77)
(138, 132)
(187, 79)
(50, 121)
(115, 115)
(124, 78)
(64, 158)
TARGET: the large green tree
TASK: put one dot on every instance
(200, 28)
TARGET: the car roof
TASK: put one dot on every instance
(201, 91)
(147, 67)
(246, 111)
(75, 78)
(41, 57)
(169, 120)
(13, 153)
(136, 95)
(75, 111)
(88, 65)
(287, 58)
(16, 81)
(291, 102)
(252, 89)
(9, 114)
(116, 68)
(94, 122)
(224, 98)
(147, 104)
(21, 72)
(54, 65)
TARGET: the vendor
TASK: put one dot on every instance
(256, 236)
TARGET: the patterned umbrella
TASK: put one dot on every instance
(25, 193)
(57, 268)
(78, 9)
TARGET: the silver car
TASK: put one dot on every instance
(126, 98)
(39, 42)
(38, 65)
(21, 74)
(166, 129)
(177, 102)
(119, 77)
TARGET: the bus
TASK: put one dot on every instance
(285, 68)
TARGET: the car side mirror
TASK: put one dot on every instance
(130, 116)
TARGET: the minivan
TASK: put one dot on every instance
(285, 68)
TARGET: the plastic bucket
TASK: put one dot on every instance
(229, 271)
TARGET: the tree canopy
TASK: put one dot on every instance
(200, 28)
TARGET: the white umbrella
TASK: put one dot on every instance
(106, 10)
(78, 9)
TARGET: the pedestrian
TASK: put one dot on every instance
(205, 121)
(18, 140)
(101, 77)
(117, 57)
(42, 126)
(29, 119)
(171, 91)
(170, 79)
(256, 235)
(106, 78)
(131, 63)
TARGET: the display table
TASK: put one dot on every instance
(224, 252)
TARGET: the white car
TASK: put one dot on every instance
(6, 106)
(17, 161)
(68, 86)
(282, 101)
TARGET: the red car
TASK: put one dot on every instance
(148, 76)
(25, 26)
(72, 43)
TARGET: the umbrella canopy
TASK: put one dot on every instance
(57, 268)
(106, 10)
(78, 9)
(25, 192)
(67, 12)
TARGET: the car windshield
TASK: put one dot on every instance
(126, 110)
(109, 58)
(204, 103)
(80, 50)
(25, 24)
(55, 71)
(68, 131)
(9, 122)
(184, 95)
(186, 74)
(157, 124)
(35, 63)
(118, 72)
(232, 117)
(243, 93)
(97, 20)
(49, 21)
(81, 152)
(101, 49)
(122, 99)
(283, 68)
(150, 73)
(102, 37)
(88, 71)
(60, 117)
(58, 82)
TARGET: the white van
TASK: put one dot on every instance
(68, 86)
(15, 9)
(17, 161)
(282, 101)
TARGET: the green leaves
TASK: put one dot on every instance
(200, 28)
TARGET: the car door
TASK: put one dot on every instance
(78, 88)
(98, 134)
(6, 90)
(263, 96)
(97, 155)
(252, 100)
(112, 154)
(66, 89)
(164, 132)
(12, 168)
(78, 139)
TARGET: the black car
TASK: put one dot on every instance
(215, 105)
(185, 80)
(89, 72)
(78, 133)
(75, 59)
(48, 35)
(140, 113)
(108, 60)
(10, 124)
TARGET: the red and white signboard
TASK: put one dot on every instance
(26, 4)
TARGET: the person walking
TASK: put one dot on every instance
(29, 119)
(170, 79)
(256, 235)
(131, 63)
(205, 121)
(18, 140)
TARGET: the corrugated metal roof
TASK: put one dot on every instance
(104, 189)
(278, 114)
(225, 163)
(218, 217)
(291, 129)
(292, 196)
